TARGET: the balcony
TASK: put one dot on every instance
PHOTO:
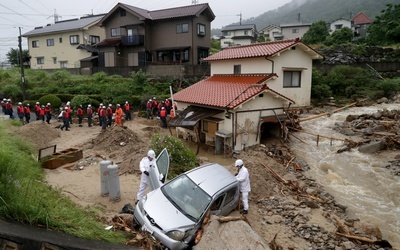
(132, 40)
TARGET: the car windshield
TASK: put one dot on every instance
(187, 196)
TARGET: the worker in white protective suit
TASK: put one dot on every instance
(243, 178)
(144, 166)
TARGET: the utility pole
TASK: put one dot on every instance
(240, 20)
(21, 63)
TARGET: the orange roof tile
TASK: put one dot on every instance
(253, 50)
(361, 18)
(225, 91)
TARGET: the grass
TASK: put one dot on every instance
(25, 197)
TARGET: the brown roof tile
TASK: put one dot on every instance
(252, 50)
(225, 91)
(361, 18)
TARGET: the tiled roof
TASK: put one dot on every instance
(184, 11)
(225, 91)
(62, 26)
(239, 27)
(109, 42)
(361, 18)
(252, 50)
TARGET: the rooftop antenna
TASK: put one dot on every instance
(195, 2)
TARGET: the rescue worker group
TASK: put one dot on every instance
(154, 109)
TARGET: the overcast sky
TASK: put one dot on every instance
(28, 14)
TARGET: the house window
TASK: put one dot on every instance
(94, 39)
(63, 64)
(226, 33)
(173, 56)
(74, 39)
(35, 44)
(237, 69)
(54, 60)
(50, 42)
(60, 40)
(122, 12)
(115, 32)
(201, 29)
(295, 30)
(182, 28)
(338, 26)
(246, 32)
(291, 79)
(202, 53)
(40, 60)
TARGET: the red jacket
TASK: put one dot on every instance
(20, 109)
(163, 113)
(127, 107)
(79, 111)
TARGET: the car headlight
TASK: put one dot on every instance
(176, 235)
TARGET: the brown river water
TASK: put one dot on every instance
(359, 181)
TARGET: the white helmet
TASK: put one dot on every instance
(20, 103)
(48, 104)
(37, 102)
(101, 104)
(110, 105)
(89, 106)
(118, 105)
(238, 163)
(151, 154)
(66, 108)
(126, 102)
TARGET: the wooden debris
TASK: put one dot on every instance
(382, 243)
(329, 113)
(294, 187)
(273, 245)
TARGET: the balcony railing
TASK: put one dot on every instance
(132, 40)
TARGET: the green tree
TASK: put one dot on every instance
(344, 35)
(319, 89)
(215, 46)
(13, 56)
(385, 30)
(317, 33)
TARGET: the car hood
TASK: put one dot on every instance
(164, 213)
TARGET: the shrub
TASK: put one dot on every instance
(181, 157)
(389, 87)
(52, 99)
(83, 100)
(12, 91)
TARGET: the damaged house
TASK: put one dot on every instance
(245, 99)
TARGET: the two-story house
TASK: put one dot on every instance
(139, 37)
(361, 22)
(248, 95)
(271, 32)
(294, 30)
(339, 24)
(64, 43)
(234, 35)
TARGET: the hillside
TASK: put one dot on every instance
(316, 10)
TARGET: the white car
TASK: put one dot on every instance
(173, 212)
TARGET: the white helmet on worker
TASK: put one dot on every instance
(20, 103)
(238, 163)
(89, 106)
(151, 154)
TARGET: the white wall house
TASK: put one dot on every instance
(271, 32)
(65, 43)
(245, 99)
(235, 35)
(294, 30)
(339, 24)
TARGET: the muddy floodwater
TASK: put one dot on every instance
(359, 181)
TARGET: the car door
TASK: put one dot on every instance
(158, 173)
